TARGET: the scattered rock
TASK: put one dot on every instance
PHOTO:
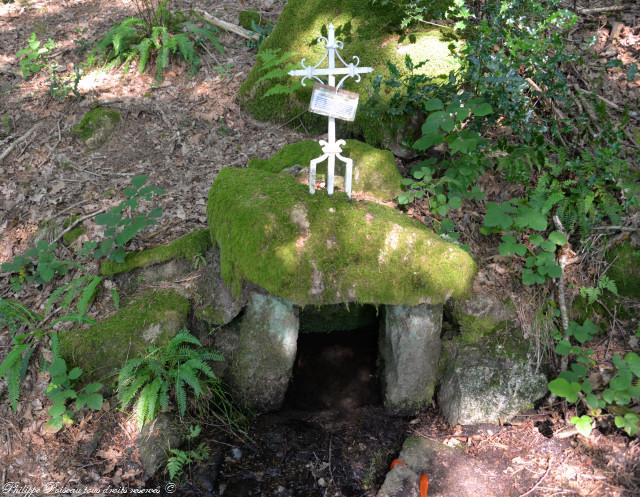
(154, 441)
(96, 126)
(481, 314)
(451, 473)
(260, 367)
(410, 351)
(490, 381)
(102, 349)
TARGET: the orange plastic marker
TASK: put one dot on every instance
(396, 462)
(424, 485)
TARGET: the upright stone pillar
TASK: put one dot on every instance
(409, 350)
(261, 365)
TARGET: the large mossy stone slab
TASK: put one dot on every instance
(375, 173)
(318, 250)
(490, 381)
(102, 349)
(409, 352)
(368, 31)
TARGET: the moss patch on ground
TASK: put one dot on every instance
(625, 269)
(368, 31)
(104, 347)
(374, 172)
(96, 126)
(248, 18)
(316, 249)
(186, 247)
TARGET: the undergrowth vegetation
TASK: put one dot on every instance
(157, 34)
(508, 115)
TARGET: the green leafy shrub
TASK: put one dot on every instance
(615, 393)
(159, 35)
(62, 389)
(124, 221)
(180, 363)
(30, 57)
(38, 265)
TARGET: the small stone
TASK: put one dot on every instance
(36, 404)
(236, 453)
(322, 482)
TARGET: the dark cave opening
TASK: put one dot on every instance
(335, 370)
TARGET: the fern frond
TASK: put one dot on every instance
(200, 365)
(126, 374)
(144, 49)
(126, 395)
(181, 396)
(187, 49)
(183, 337)
(282, 89)
(186, 374)
(163, 396)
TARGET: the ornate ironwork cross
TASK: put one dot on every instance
(331, 149)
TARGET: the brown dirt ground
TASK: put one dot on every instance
(181, 133)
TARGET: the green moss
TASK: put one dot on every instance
(186, 247)
(96, 126)
(103, 348)
(71, 236)
(374, 173)
(248, 18)
(316, 249)
(367, 30)
(625, 269)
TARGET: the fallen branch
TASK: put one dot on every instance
(562, 301)
(228, 26)
(599, 10)
(549, 463)
(77, 222)
(19, 140)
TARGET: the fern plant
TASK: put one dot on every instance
(275, 66)
(165, 370)
(181, 458)
(160, 36)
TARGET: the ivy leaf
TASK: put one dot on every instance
(498, 215)
(565, 389)
(563, 348)
(510, 246)
(428, 140)
(530, 277)
(528, 217)
(583, 424)
(558, 238)
(433, 104)
(585, 332)
(633, 361)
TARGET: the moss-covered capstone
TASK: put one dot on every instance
(368, 31)
(103, 348)
(316, 249)
(186, 247)
(375, 173)
(96, 126)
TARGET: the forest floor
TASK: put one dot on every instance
(181, 133)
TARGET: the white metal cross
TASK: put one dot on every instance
(331, 148)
